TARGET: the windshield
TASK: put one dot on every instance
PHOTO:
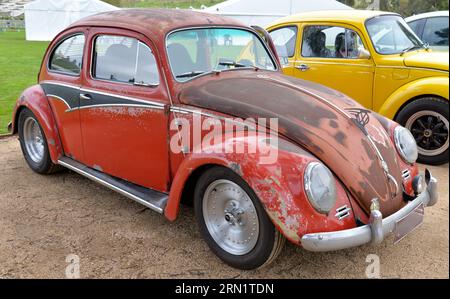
(194, 52)
(391, 35)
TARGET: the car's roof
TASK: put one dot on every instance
(155, 22)
(347, 15)
(443, 13)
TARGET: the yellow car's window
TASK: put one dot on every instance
(331, 42)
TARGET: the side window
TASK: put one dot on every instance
(124, 59)
(436, 31)
(285, 40)
(68, 56)
(331, 42)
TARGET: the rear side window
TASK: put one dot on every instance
(124, 59)
(67, 57)
(436, 31)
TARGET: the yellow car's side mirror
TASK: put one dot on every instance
(364, 54)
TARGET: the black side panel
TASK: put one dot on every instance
(69, 95)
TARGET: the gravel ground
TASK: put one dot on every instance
(43, 219)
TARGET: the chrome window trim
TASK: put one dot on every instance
(274, 61)
(93, 78)
(62, 40)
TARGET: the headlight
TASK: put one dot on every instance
(320, 187)
(406, 144)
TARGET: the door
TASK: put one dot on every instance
(336, 57)
(123, 110)
(61, 80)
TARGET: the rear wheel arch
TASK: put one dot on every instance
(35, 100)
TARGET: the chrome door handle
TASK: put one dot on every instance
(302, 67)
(85, 96)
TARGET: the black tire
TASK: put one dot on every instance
(270, 242)
(45, 166)
(406, 118)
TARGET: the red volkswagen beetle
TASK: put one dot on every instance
(171, 106)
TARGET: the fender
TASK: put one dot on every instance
(35, 99)
(279, 186)
(437, 86)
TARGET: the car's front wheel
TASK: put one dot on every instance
(34, 143)
(428, 120)
(233, 221)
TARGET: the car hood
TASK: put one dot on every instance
(317, 118)
(427, 59)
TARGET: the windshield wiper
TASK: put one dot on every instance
(411, 48)
(237, 64)
(190, 74)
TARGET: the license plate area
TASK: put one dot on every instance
(409, 223)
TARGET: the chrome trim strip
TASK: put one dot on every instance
(112, 187)
(312, 62)
(61, 99)
(122, 97)
(182, 110)
(412, 68)
(116, 105)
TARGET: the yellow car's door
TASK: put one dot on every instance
(335, 56)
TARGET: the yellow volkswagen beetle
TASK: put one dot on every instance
(375, 58)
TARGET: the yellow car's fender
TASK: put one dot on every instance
(432, 86)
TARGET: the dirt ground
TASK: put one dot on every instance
(43, 219)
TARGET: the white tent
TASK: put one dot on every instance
(263, 12)
(44, 19)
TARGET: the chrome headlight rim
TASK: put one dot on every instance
(400, 132)
(309, 190)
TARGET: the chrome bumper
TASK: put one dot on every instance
(376, 231)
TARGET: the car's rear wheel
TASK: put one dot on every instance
(233, 221)
(428, 120)
(34, 143)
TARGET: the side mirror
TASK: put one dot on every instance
(364, 54)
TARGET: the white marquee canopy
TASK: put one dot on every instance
(263, 12)
(44, 19)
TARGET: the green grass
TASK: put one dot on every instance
(19, 66)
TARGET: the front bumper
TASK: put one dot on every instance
(376, 231)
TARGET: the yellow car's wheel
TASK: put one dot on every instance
(428, 120)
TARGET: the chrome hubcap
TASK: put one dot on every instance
(230, 217)
(34, 142)
(430, 129)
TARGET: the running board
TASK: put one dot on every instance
(152, 199)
